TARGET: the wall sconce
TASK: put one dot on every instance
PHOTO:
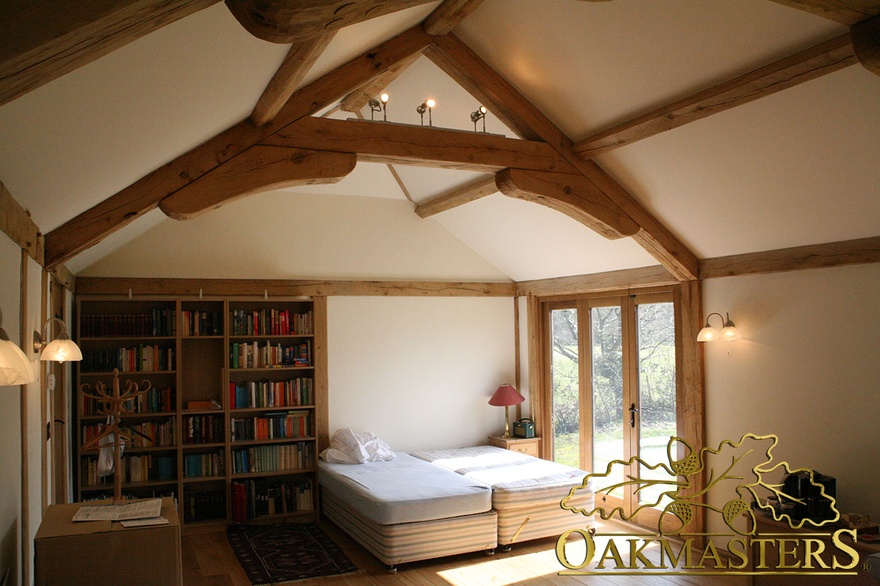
(477, 115)
(380, 105)
(15, 368)
(728, 333)
(61, 349)
(426, 105)
(505, 396)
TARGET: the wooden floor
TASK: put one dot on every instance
(208, 560)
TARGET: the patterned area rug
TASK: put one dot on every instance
(283, 552)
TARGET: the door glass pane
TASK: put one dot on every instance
(656, 343)
(607, 363)
(566, 409)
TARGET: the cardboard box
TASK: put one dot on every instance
(105, 552)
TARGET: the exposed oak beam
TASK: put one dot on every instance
(598, 282)
(861, 251)
(16, 223)
(520, 115)
(356, 100)
(464, 194)
(571, 194)
(381, 142)
(91, 226)
(288, 288)
(866, 43)
(447, 16)
(296, 65)
(283, 21)
(846, 12)
(814, 62)
(41, 41)
(256, 170)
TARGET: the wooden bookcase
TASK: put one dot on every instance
(237, 410)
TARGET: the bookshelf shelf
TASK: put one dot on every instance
(199, 345)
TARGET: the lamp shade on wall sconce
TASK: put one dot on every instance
(61, 349)
(728, 332)
(15, 368)
(505, 396)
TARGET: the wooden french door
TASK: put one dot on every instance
(612, 379)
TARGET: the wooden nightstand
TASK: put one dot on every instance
(530, 446)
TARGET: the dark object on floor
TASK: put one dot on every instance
(286, 551)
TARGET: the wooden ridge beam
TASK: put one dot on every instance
(41, 41)
(448, 15)
(427, 146)
(846, 12)
(814, 62)
(866, 43)
(520, 115)
(288, 288)
(299, 60)
(283, 21)
(464, 194)
(571, 194)
(814, 256)
(256, 170)
(91, 226)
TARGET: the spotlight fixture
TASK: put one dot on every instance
(728, 333)
(379, 106)
(477, 115)
(384, 99)
(426, 105)
(375, 106)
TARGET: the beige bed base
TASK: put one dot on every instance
(410, 542)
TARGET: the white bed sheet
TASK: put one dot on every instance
(405, 490)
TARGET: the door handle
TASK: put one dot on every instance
(632, 414)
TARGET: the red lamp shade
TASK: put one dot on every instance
(505, 396)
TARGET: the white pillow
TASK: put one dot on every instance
(356, 447)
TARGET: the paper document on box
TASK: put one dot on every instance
(145, 509)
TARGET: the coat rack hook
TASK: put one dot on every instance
(265, 293)
(129, 292)
(200, 293)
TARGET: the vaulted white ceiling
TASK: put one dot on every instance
(801, 166)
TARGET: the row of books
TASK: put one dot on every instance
(146, 434)
(202, 465)
(141, 468)
(204, 505)
(255, 355)
(280, 425)
(202, 429)
(154, 400)
(140, 358)
(159, 322)
(273, 458)
(202, 323)
(261, 497)
(257, 394)
(270, 322)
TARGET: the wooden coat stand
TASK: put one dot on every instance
(114, 410)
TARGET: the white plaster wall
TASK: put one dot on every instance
(807, 370)
(419, 371)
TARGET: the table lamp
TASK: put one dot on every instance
(506, 396)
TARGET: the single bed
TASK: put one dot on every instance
(526, 491)
(407, 509)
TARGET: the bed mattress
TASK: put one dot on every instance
(518, 480)
(404, 490)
